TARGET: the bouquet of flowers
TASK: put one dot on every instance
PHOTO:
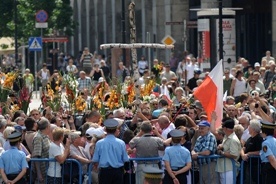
(24, 99)
(71, 85)
(80, 104)
(6, 84)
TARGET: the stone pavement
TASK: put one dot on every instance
(35, 101)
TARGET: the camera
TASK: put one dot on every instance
(246, 108)
(256, 105)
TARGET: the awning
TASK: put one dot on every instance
(7, 45)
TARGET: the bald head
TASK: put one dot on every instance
(163, 121)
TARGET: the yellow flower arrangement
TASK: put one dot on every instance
(147, 89)
(9, 80)
(50, 91)
(97, 102)
(14, 108)
(113, 101)
(130, 93)
(80, 104)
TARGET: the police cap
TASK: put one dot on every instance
(111, 124)
(268, 125)
(176, 133)
(15, 136)
(153, 172)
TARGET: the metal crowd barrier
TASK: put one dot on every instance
(89, 172)
(251, 170)
(197, 166)
(194, 179)
(67, 174)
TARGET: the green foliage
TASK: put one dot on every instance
(59, 11)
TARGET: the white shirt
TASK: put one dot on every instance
(190, 71)
(54, 169)
(71, 68)
(165, 134)
(142, 66)
(245, 135)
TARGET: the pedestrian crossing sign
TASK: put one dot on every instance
(35, 44)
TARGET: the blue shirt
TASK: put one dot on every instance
(177, 156)
(204, 143)
(268, 148)
(13, 161)
(110, 152)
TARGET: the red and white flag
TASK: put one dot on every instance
(210, 93)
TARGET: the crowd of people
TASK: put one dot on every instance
(106, 122)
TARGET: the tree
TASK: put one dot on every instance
(59, 11)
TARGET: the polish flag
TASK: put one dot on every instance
(210, 93)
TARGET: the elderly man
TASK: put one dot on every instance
(165, 125)
(146, 146)
(77, 151)
(41, 145)
(205, 145)
(230, 149)
(244, 122)
(84, 82)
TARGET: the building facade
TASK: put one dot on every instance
(99, 22)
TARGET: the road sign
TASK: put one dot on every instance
(55, 39)
(174, 23)
(41, 16)
(35, 44)
(41, 25)
(168, 40)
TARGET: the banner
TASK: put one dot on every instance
(229, 40)
(203, 40)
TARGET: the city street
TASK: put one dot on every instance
(35, 102)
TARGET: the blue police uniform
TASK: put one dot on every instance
(110, 154)
(13, 161)
(268, 149)
(178, 157)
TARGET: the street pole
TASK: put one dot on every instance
(41, 31)
(184, 35)
(35, 55)
(123, 28)
(149, 56)
(15, 31)
(220, 32)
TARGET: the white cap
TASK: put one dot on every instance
(101, 79)
(257, 64)
(98, 132)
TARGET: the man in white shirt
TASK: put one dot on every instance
(191, 68)
(165, 125)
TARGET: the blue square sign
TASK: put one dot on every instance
(35, 44)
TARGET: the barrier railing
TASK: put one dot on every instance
(68, 168)
(206, 161)
(66, 173)
(251, 170)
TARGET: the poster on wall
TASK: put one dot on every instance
(229, 41)
(203, 40)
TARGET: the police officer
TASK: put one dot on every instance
(268, 154)
(110, 155)
(177, 160)
(13, 163)
(153, 175)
